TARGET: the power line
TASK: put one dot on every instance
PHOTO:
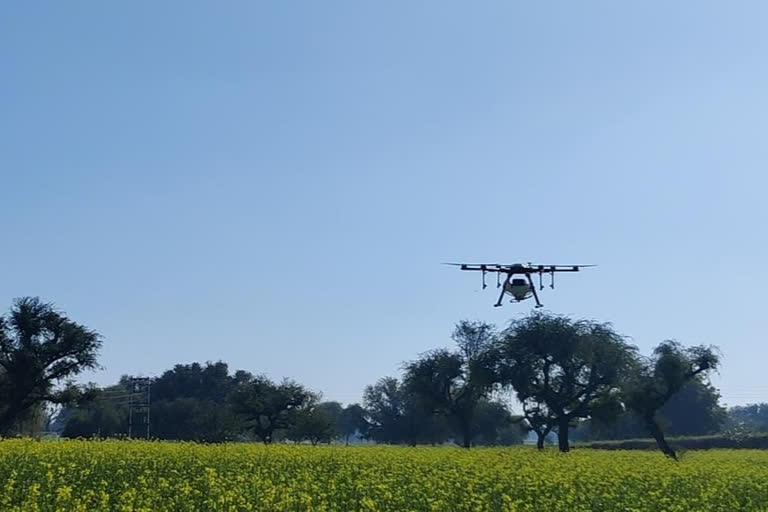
(138, 404)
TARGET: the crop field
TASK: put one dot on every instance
(161, 476)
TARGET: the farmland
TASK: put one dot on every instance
(144, 476)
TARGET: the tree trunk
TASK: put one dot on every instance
(10, 416)
(541, 437)
(466, 433)
(658, 435)
(562, 434)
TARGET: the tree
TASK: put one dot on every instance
(193, 419)
(693, 411)
(385, 407)
(315, 424)
(105, 415)
(351, 421)
(654, 380)
(453, 383)
(563, 370)
(494, 425)
(266, 406)
(333, 410)
(204, 382)
(538, 420)
(39, 349)
(395, 415)
(191, 402)
(752, 417)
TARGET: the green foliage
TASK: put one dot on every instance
(453, 383)
(565, 373)
(102, 416)
(494, 425)
(266, 406)
(189, 402)
(193, 419)
(693, 411)
(315, 424)
(655, 380)
(351, 421)
(39, 349)
(211, 381)
(395, 415)
(751, 417)
(137, 476)
(563, 370)
(721, 441)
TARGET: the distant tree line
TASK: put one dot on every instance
(572, 379)
(206, 403)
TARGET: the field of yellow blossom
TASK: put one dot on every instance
(161, 476)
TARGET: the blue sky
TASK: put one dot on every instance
(275, 184)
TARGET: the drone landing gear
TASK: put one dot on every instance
(501, 295)
(533, 289)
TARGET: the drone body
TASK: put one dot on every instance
(523, 288)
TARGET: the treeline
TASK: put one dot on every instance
(569, 378)
(205, 402)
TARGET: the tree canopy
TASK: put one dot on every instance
(266, 406)
(565, 373)
(750, 417)
(453, 383)
(655, 380)
(40, 348)
(564, 369)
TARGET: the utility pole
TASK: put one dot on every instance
(138, 405)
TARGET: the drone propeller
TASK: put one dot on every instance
(513, 265)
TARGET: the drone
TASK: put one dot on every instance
(519, 288)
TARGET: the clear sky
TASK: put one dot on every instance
(275, 184)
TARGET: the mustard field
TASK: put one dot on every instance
(162, 476)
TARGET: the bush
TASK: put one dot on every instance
(756, 441)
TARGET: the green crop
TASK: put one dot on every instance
(94, 476)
